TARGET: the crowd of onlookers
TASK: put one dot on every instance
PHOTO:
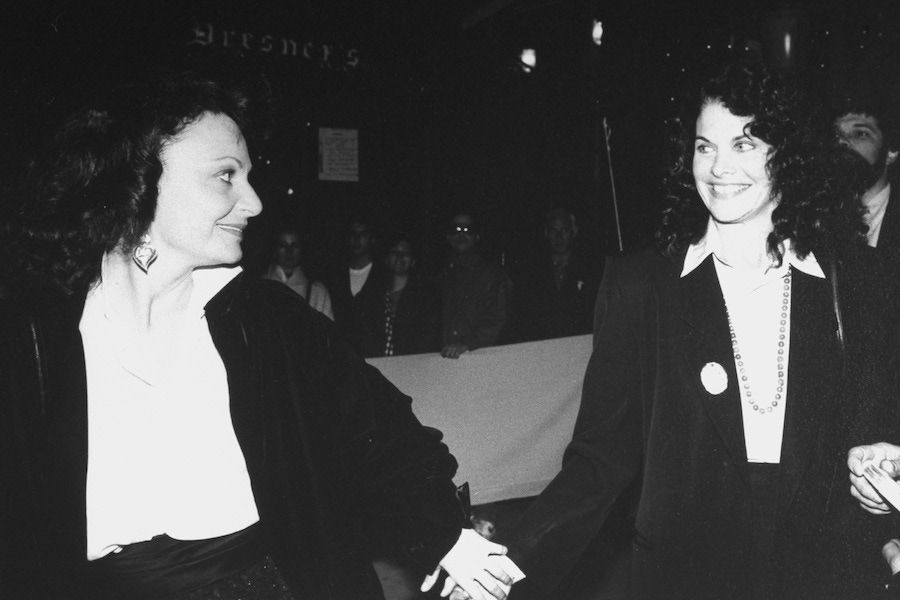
(388, 305)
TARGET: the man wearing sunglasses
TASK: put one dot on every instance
(475, 293)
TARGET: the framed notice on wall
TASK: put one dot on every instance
(338, 154)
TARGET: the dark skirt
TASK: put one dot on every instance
(231, 567)
(260, 581)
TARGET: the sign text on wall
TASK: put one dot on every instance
(327, 56)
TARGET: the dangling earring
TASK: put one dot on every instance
(144, 254)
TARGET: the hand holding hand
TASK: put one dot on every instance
(884, 455)
(470, 569)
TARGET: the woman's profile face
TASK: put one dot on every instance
(730, 168)
(205, 198)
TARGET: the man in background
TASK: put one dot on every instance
(357, 287)
(475, 293)
(556, 289)
(866, 124)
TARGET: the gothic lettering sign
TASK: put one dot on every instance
(337, 57)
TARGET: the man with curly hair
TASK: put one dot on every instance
(866, 125)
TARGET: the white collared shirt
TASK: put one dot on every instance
(319, 298)
(358, 278)
(876, 206)
(754, 302)
(162, 453)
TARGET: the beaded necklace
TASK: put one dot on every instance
(782, 333)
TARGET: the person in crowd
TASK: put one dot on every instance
(474, 293)
(409, 320)
(173, 429)
(555, 294)
(287, 269)
(732, 369)
(867, 125)
(887, 457)
(357, 286)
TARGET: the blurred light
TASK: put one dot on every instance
(529, 59)
(290, 191)
(597, 32)
(787, 46)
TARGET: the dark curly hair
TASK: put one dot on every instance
(815, 183)
(867, 100)
(95, 188)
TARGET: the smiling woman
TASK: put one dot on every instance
(173, 429)
(733, 370)
(767, 137)
(730, 169)
(205, 198)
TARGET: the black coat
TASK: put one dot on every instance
(338, 463)
(356, 315)
(416, 325)
(646, 416)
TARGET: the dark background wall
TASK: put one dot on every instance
(445, 114)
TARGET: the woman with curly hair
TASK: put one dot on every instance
(732, 371)
(173, 429)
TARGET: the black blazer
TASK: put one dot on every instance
(338, 463)
(645, 415)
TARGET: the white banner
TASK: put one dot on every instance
(507, 412)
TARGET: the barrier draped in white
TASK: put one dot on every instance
(507, 412)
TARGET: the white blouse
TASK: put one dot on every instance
(755, 303)
(163, 457)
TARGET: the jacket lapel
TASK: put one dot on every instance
(231, 334)
(706, 339)
(814, 377)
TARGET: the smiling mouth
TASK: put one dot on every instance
(236, 231)
(728, 190)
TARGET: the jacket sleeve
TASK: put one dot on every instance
(21, 565)
(402, 473)
(605, 452)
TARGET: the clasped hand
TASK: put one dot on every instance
(471, 568)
